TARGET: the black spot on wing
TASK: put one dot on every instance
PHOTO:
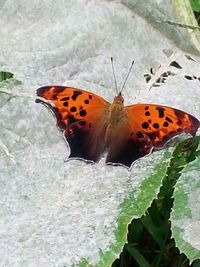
(86, 101)
(156, 125)
(166, 124)
(66, 104)
(147, 113)
(168, 119)
(76, 94)
(160, 112)
(65, 98)
(83, 113)
(73, 109)
(145, 125)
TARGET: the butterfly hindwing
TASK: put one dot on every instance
(126, 146)
(81, 115)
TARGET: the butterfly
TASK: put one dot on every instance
(91, 125)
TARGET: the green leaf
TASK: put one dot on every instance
(195, 5)
(137, 256)
(5, 75)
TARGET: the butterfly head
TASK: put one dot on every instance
(119, 99)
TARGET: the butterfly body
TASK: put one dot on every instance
(116, 118)
(91, 125)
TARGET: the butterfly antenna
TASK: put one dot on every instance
(127, 76)
(113, 70)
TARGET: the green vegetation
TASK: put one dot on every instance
(149, 241)
(5, 75)
(195, 5)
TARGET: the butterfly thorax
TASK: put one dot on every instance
(115, 117)
(116, 112)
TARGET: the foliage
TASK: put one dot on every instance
(195, 5)
(5, 75)
(149, 238)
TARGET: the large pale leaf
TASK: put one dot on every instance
(55, 213)
(186, 211)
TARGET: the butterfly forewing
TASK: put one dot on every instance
(81, 115)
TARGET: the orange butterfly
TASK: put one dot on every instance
(91, 125)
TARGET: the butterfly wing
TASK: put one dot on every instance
(81, 115)
(160, 123)
(125, 146)
(148, 126)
